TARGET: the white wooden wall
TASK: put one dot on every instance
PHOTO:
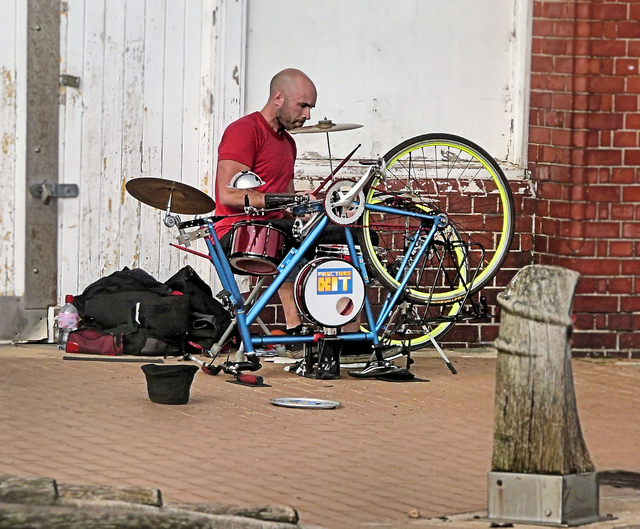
(152, 97)
(401, 68)
(13, 61)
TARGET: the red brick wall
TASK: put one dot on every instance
(584, 152)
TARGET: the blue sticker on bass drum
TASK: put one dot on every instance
(335, 281)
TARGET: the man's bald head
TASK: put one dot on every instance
(289, 79)
(292, 95)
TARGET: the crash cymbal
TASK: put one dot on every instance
(156, 192)
(325, 125)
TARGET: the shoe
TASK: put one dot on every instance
(295, 351)
(375, 370)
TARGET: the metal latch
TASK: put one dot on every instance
(46, 191)
(69, 80)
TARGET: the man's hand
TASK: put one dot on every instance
(308, 198)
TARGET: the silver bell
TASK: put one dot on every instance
(245, 180)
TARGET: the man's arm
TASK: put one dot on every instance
(234, 198)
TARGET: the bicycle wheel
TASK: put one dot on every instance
(439, 174)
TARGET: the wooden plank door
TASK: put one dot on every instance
(147, 105)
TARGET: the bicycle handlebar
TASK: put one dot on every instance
(276, 200)
(250, 379)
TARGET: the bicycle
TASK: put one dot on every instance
(434, 218)
(441, 173)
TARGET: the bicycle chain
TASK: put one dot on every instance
(394, 200)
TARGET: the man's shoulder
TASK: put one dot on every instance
(243, 131)
(249, 128)
(250, 121)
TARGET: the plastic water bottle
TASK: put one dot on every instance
(68, 319)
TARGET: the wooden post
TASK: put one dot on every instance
(537, 431)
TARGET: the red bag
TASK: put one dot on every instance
(95, 342)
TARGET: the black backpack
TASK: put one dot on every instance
(155, 318)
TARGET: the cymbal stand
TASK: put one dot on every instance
(330, 158)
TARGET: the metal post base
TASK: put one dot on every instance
(567, 500)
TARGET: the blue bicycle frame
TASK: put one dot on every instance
(246, 316)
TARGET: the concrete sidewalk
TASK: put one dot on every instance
(391, 451)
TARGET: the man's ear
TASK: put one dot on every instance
(278, 97)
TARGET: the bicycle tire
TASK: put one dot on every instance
(442, 174)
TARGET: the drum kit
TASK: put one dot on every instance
(257, 247)
(328, 290)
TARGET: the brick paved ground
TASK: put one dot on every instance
(390, 448)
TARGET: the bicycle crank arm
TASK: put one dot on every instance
(360, 185)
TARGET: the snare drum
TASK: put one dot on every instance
(339, 251)
(330, 292)
(257, 248)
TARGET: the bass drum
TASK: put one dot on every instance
(330, 292)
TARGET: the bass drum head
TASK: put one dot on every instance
(330, 292)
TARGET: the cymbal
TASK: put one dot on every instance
(325, 125)
(156, 192)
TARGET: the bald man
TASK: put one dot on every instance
(259, 142)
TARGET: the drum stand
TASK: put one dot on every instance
(321, 363)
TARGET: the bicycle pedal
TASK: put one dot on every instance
(374, 371)
(399, 375)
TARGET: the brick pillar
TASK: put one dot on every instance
(584, 152)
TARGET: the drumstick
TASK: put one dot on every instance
(319, 188)
(191, 251)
